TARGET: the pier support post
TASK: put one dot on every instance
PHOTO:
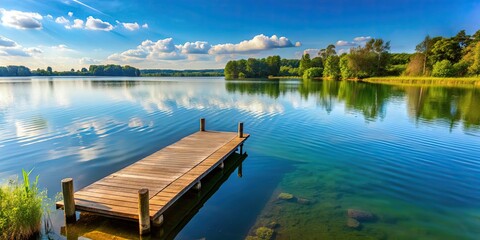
(198, 186)
(202, 124)
(158, 221)
(68, 200)
(240, 170)
(240, 129)
(241, 148)
(143, 211)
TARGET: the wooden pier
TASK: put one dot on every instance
(144, 190)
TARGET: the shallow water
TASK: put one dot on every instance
(408, 155)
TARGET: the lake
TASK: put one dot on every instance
(408, 155)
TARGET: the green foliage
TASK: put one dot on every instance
(474, 69)
(14, 71)
(345, 70)
(21, 208)
(305, 63)
(443, 68)
(312, 73)
(332, 68)
(317, 62)
(327, 52)
(264, 233)
(273, 64)
(446, 49)
(399, 58)
(288, 71)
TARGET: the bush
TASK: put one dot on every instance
(312, 73)
(21, 208)
(443, 69)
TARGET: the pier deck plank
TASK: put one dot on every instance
(168, 174)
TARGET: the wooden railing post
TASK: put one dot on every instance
(143, 211)
(68, 200)
(240, 129)
(202, 124)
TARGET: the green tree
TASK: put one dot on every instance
(446, 49)
(49, 70)
(380, 49)
(416, 66)
(332, 69)
(443, 68)
(317, 62)
(305, 63)
(345, 70)
(474, 69)
(425, 47)
(327, 52)
(312, 73)
(230, 70)
(273, 63)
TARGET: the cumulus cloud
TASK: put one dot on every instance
(362, 39)
(87, 60)
(21, 20)
(131, 26)
(258, 43)
(341, 43)
(97, 24)
(163, 49)
(145, 25)
(197, 47)
(49, 16)
(70, 14)
(5, 42)
(62, 20)
(77, 23)
(9, 47)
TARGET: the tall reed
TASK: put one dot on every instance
(21, 208)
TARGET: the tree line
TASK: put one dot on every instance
(457, 56)
(93, 70)
(181, 73)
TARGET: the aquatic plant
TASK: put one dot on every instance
(21, 208)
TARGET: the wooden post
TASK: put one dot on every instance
(240, 129)
(202, 124)
(198, 186)
(68, 200)
(241, 148)
(240, 170)
(143, 211)
(158, 221)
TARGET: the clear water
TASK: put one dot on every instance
(409, 155)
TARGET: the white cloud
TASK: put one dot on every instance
(5, 42)
(258, 43)
(145, 25)
(9, 47)
(62, 48)
(21, 20)
(197, 47)
(49, 16)
(362, 39)
(70, 14)
(341, 43)
(62, 20)
(77, 23)
(163, 49)
(97, 24)
(298, 44)
(131, 26)
(311, 51)
(87, 60)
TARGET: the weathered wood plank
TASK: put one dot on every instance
(168, 174)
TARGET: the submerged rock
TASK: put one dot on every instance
(285, 196)
(264, 233)
(353, 223)
(360, 215)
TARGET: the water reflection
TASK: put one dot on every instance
(452, 106)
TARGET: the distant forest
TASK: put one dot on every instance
(181, 73)
(109, 70)
(457, 56)
(93, 70)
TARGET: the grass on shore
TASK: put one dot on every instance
(438, 81)
(21, 208)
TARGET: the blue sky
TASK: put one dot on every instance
(181, 34)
